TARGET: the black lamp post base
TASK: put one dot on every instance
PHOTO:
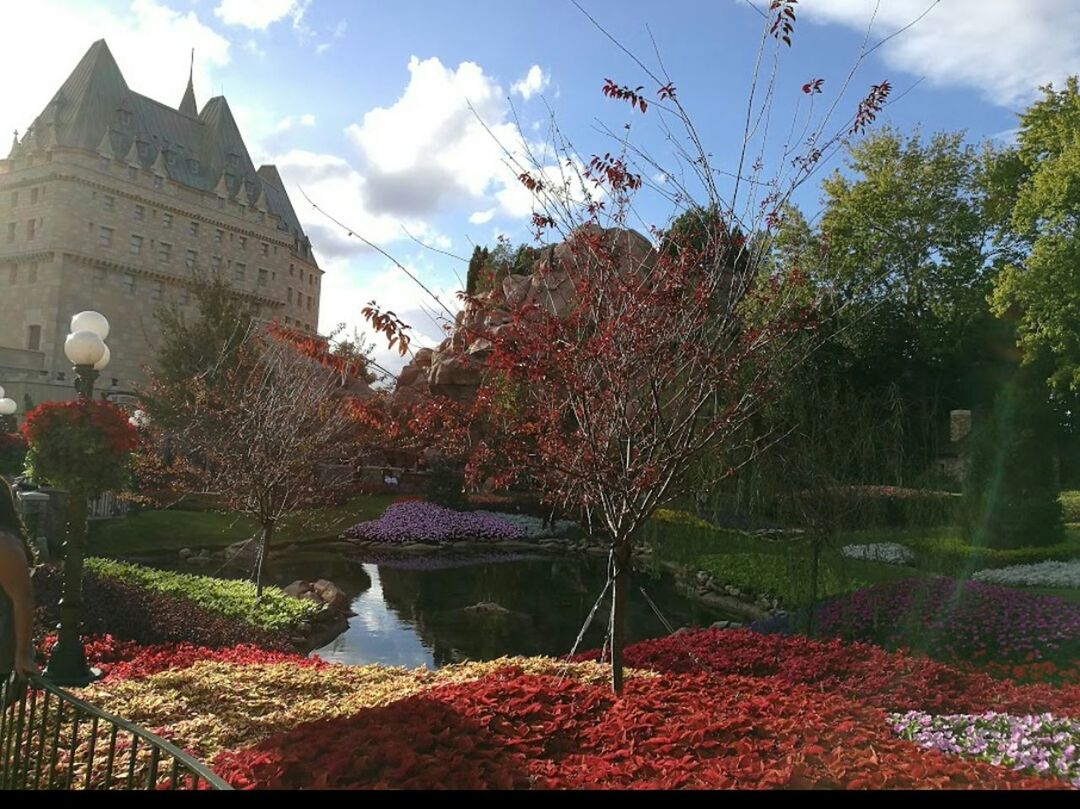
(67, 666)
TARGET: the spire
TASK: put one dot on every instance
(14, 145)
(188, 106)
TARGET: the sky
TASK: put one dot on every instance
(396, 118)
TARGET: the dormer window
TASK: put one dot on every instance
(193, 165)
(232, 161)
(143, 149)
(123, 117)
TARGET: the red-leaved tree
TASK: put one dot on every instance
(632, 357)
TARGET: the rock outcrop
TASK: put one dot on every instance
(455, 367)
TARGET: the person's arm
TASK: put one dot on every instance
(15, 579)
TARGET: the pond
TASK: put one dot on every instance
(434, 611)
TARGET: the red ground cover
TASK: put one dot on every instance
(513, 730)
(892, 681)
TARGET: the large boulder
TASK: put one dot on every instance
(455, 368)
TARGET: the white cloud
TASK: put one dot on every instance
(1005, 49)
(307, 119)
(535, 81)
(483, 217)
(430, 152)
(150, 41)
(259, 14)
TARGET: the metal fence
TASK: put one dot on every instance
(49, 739)
(105, 506)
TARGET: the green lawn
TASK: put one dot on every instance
(174, 529)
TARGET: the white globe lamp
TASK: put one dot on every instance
(91, 321)
(103, 363)
(7, 407)
(84, 348)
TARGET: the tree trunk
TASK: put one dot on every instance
(620, 556)
(264, 551)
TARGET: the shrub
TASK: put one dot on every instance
(859, 507)
(954, 556)
(228, 598)
(1070, 505)
(12, 454)
(79, 444)
(784, 576)
(446, 485)
(1011, 497)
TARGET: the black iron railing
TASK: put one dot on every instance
(49, 739)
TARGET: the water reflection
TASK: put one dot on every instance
(430, 611)
(432, 617)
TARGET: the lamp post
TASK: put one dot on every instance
(85, 348)
(7, 410)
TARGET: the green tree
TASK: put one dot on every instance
(907, 242)
(1038, 186)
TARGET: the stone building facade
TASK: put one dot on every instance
(113, 201)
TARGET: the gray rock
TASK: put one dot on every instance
(186, 553)
(488, 608)
(297, 589)
(721, 625)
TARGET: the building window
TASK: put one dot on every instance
(14, 198)
(33, 196)
(135, 244)
(166, 220)
(184, 298)
(261, 216)
(13, 273)
(156, 290)
(105, 236)
(108, 202)
(99, 277)
(193, 228)
(140, 213)
(33, 338)
(158, 181)
(309, 303)
(292, 270)
(104, 164)
(164, 251)
(133, 173)
(31, 274)
(265, 249)
(263, 277)
(215, 263)
(218, 235)
(128, 280)
(239, 271)
(221, 203)
(190, 258)
(11, 231)
(290, 295)
(31, 228)
(243, 242)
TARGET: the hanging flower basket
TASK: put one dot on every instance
(79, 444)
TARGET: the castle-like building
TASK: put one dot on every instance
(113, 201)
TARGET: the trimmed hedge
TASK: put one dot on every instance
(228, 598)
(954, 555)
(784, 576)
(857, 507)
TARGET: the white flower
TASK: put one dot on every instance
(1040, 574)
(889, 552)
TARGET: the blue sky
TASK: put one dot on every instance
(364, 104)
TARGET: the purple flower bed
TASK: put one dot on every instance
(416, 521)
(957, 620)
(1043, 745)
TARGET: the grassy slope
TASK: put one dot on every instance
(174, 529)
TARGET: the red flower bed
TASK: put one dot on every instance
(509, 729)
(127, 660)
(892, 681)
